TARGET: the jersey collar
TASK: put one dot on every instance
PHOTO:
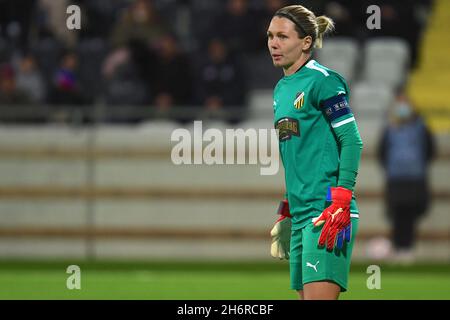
(310, 60)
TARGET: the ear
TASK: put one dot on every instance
(307, 43)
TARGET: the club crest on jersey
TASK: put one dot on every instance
(299, 100)
(287, 127)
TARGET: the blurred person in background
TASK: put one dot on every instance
(346, 14)
(9, 93)
(221, 83)
(30, 80)
(236, 27)
(98, 17)
(123, 84)
(405, 151)
(265, 14)
(138, 22)
(174, 81)
(131, 67)
(66, 87)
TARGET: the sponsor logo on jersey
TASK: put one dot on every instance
(287, 127)
(299, 100)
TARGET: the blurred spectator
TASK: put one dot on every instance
(347, 17)
(140, 23)
(123, 84)
(135, 39)
(236, 27)
(30, 80)
(265, 15)
(9, 94)
(174, 85)
(405, 151)
(98, 17)
(113, 61)
(221, 82)
(66, 87)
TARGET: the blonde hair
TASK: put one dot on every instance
(306, 23)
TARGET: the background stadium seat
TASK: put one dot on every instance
(340, 54)
(386, 60)
(370, 99)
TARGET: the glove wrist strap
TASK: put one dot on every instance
(283, 209)
(340, 195)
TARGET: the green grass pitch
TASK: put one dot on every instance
(208, 280)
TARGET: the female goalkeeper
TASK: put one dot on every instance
(320, 147)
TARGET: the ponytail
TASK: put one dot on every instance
(325, 25)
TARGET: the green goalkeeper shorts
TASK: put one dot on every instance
(311, 263)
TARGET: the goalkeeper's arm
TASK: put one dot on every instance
(351, 146)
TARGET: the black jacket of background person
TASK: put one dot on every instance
(403, 192)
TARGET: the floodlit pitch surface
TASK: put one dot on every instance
(210, 281)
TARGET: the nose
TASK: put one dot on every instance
(273, 44)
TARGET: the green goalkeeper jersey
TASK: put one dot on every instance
(319, 142)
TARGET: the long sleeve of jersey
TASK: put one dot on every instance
(333, 100)
(351, 146)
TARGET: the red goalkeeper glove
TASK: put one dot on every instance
(335, 219)
(281, 233)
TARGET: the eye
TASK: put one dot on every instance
(282, 36)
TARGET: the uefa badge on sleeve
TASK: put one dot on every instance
(299, 100)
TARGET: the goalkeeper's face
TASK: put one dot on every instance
(284, 43)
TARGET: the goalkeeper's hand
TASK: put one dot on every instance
(281, 233)
(336, 220)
